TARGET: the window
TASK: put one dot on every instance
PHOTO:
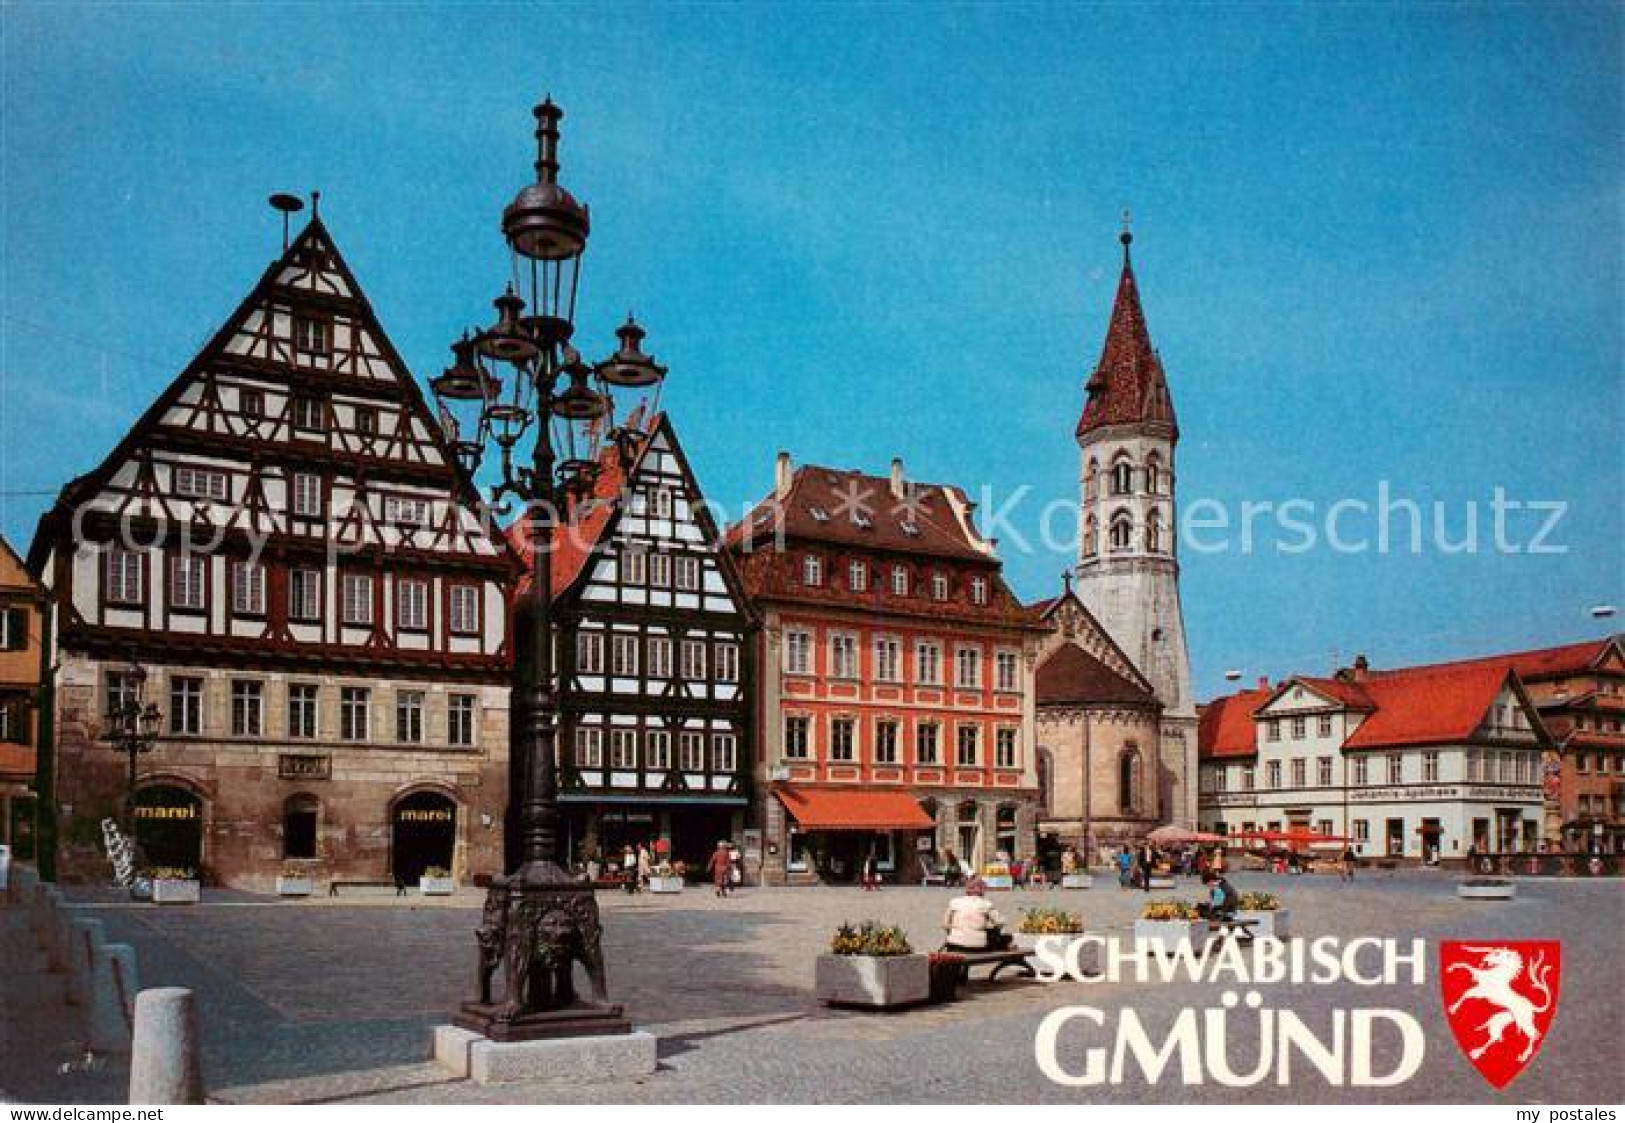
(1430, 768)
(589, 747)
(247, 709)
(1300, 777)
(1122, 477)
(978, 590)
(307, 495)
(634, 567)
(186, 581)
(1323, 772)
(1153, 474)
(412, 605)
(1249, 778)
(1004, 748)
(623, 748)
(201, 483)
(355, 597)
(366, 421)
(692, 654)
(662, 502)
(304, 594)
(969, 743)
(123, 691)
(968, 668)
(692, 748)
(1122, 534)
(659, 657)
(888, 660)
(798, 653)
(797, 737)
(248, 588)
(1272, 729)
(299, 818)
(842, 742)
(1396, 768)
(724, 752)
(886, 741)
(409, 716)
(1153, 533)
(353, 705)
(688, 572)
(857, 576)
(727, 662)
(1272, 775)
(590, 653)
(1299, 728)
(186, 705)
(1325, 725)
(302, 710)
(1362, 770)
(660, 570)
(401, 511)
(623, 655)
(460, 720)
(812, 570)
(899, 581)
(1004, 671)
(464, 610)
(658, 744)
(928, 663)
(927, 738)
(13, 629)
(311, 336)
(843, 655)
(309, 414)
(939, 586)
(251, 403)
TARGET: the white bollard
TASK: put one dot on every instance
(112, 999)
(164, 1065)
(85, 939)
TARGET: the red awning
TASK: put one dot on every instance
(844, 809)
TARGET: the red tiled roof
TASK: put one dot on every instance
(847, 809)
(1225, 727)
(1428, 705)
(1128, 385)
(1569, 658)
(1072, 675)
(1350, 694)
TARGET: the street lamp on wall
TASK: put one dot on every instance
(131, 725)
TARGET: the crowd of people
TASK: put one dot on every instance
(633, 867)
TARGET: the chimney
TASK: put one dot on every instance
(1362, 668)
(1263, 682)
(781, 476)
(897, 480)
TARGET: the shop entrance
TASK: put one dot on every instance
(695, 832)
(169, 828)
(423, 835)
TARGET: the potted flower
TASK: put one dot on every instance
(1269, 919)
(665, 879)
(294, 881)
(1165, 925)
(1486, 889)
(1077, 879)
(947, 971)
(871, 965)
(173, 886)
(996, 875)
(436, 881)
(1045, 922)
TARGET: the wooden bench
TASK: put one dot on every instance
(398, 886)
(998, 960)
(1242, 930)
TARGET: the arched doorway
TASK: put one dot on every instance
(169, 827)
(423, 834)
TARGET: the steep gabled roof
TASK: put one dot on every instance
(1224, 728)
(1072, 676)
(1430, 705)
(1342, 691)
(1128, 386)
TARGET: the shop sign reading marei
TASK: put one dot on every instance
(155, 811)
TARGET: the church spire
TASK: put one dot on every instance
(1128, 386)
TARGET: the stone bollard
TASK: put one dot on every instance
(85, 940)
(56, 932)
(113, 989)
(164, 1065)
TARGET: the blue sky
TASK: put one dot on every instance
(1376, 243)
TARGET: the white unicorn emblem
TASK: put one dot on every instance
(1492, 983)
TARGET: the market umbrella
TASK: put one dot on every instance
(1173, 836)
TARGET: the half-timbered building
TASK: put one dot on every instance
(654, 665)
(283, 556)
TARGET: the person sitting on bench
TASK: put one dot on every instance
(1221, 898)
(972, 923)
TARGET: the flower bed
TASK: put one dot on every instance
(1039, 922)
(1269, 920)
(1165, 925)
(872, 966)
(436, 882)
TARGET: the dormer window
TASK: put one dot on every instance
(819, 514)
(812, 570)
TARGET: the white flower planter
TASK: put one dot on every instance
(1080, 958)
(874, 982)
(1166, 935)
(1077, 881)
(665, 885)
(1004, 881)
(1159, 881)
(437, 886)
(1028, 941)
(1488, 891)
(294, 887)
(174, 891)
(1268, 924)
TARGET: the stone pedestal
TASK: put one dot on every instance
(597, 1059)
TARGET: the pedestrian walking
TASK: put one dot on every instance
(645, 866)
(629, 869)
(1125, 868)
(719, 867)
(871, 872)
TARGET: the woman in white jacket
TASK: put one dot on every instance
(972, 923)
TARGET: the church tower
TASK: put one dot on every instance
(1128, 571)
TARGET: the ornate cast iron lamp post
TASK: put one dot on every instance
(131, 727)
(519, 377)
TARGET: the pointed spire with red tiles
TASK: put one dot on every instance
(1128, 386)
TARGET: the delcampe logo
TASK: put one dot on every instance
(1500, 999)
